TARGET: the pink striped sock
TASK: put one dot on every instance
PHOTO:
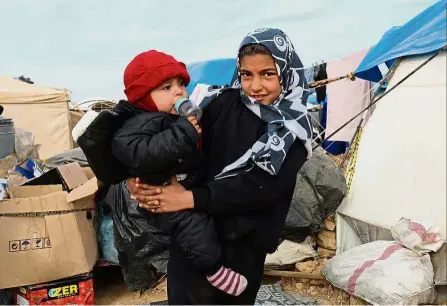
(228, 281)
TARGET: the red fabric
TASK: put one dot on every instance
(147, 71)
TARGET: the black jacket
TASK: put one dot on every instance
(153, 146)
(156, 146)
(95, 142)
(128, 142)
(252, 203)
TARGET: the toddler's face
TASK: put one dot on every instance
(168, 93)
(259, 78)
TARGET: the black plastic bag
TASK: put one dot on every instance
(6, 297)
(320, 189)
(142, 248)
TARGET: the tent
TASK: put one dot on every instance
(41, 110)
(221, 72)
(400, 168)
(421, 35)
(213, 72)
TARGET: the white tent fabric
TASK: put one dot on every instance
(401, 162)
(41, 110)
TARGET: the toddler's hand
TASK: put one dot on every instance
(196, 125)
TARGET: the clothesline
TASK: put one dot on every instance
(382, 96)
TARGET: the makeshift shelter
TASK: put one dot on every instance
(400, 166)
(41, 110)
(213, 72)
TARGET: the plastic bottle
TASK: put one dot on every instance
(185, 107)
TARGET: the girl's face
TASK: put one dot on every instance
(259, 78)
(165, 95)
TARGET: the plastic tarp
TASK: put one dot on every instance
(425, 33)
(213, 72)
(222, 72)
(320, 188)
(142, 249)
(395, 178)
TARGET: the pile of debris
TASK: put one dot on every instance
(319, 190)
(305, 275)
(379, 272)
(45, 206)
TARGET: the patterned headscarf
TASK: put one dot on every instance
(287, 117)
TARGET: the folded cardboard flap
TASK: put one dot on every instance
(73, 175)
(48, 198)
(81, 182)
(89, 172)
(69, 176)
(33, 191)
(85, 190)
(54, 201)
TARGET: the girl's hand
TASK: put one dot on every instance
(162, 199)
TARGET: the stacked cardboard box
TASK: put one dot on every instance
(47, 228)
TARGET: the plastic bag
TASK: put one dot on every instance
(142, 248)
(384, 273)
(320, 188)
(70, 156)
(414, 236)
(6, 297)
(106, 237)
(290, 252)
(24, 145)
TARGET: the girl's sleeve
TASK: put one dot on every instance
(253, 190)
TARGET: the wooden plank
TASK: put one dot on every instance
(294, 274)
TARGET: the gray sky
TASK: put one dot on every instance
(84, 46)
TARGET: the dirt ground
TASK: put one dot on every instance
(321, 290)
(110, 289)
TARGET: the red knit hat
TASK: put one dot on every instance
(147, 71)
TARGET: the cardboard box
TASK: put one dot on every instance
(47, 233)
(69, 176)
(72, 291)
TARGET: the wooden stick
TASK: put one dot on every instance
(320, 83)
(295, 274)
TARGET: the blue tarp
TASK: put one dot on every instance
(221, 72)
(423, 34)
(213, 72)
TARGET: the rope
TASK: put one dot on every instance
(46, 213)
(350, 169)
